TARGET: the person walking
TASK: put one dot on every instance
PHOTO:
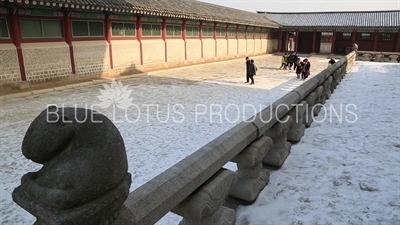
(298, 66)
(253, 71)
(284, 62)
(295, 58)
(290, 60)
(247, 69)
(307, 67)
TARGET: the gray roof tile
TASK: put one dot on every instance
(337, 19)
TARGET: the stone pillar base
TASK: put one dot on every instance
(295, 135)
(224, 216)
(248, 189)
(204, 206)
(277, 156)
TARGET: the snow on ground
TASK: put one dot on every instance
(154, 142)
(157, 141)
(342, 172)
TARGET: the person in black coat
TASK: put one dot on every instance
(252, 71)
(295, 57)
(247, 69)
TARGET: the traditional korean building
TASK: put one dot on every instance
(335, 32)
(42, 40)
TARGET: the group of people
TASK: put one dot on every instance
(302, 67)
(251, 70)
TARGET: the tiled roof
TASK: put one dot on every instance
(206, 11)
(337, 19)
(185, 9)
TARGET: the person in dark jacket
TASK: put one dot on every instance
(247, 69)
(290, 61)
(252, 71)
(305, 71)
(307, 67)
(295, 57)
(298, 65)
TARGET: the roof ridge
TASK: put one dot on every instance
(329, 12)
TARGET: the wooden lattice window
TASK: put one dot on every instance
(346, 36)
(273, 35)
(152, 30)
(123, 29)
(174, 30)
(221, 32)
(87, 29)
(192, 31)
(385, 37)
(250, 33)
(365, 36)
(207, 31)
(232, 32)
(4, 33)
(241, 33)
(37, 28)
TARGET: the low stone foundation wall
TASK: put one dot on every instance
(9, 67)
(46, 61)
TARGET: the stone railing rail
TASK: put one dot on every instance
(196, 187)
(377, 56)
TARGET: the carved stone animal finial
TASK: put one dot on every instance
(84, 178)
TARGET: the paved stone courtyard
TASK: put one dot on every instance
(154, 141)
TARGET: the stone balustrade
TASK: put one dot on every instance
(71, 189)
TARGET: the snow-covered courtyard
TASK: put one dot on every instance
(340, 173)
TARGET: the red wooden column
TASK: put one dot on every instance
(68, 39)
(108, 39)
(398, 42)
(184, 37)
(139, 37)
(226, 31)
(16, 36)
(314, 37)
(296, 40)
(201, 38)
(333, 42)
(280, 41)
(375, 40)
(215, 38)
(353, 36)
(164, 37)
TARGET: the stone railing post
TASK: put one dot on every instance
(251, 177)
(297, 127)
(335, 81)
(204, 206)
(84, 179)
(280, 149)
(326, 94)
(309, 115)
(318, 99)
(341, 75)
